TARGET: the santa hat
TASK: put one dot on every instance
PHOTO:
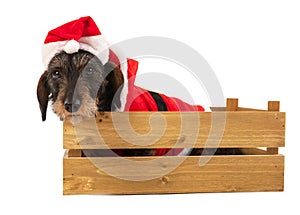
(82, 33)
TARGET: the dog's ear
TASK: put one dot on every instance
(43, 95)
(115, 80)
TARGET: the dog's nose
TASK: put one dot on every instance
(72, 105)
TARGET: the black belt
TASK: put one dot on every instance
(161, 105)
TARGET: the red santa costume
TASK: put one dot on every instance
(84, 34)
(139, 99)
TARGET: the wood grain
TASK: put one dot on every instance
(273, 106)
(232, 104)
(245, 129)
(230, 127)
(220, 174)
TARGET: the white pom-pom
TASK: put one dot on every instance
(71, 47)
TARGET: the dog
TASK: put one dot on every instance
(83, 76)
(78, 85)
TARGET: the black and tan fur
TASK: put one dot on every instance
(78, 85)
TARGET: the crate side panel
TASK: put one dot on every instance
(220, 174)
(242, 130)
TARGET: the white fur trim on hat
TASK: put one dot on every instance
(71, 47)
(96, 45)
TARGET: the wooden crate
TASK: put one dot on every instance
(257, 133)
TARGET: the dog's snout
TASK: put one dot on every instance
(72, 105)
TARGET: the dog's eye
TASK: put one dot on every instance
(56, 74)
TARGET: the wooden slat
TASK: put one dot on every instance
(217, 108)
(242, 130)
(272, 150)
(254, 151)
(273, 106)
(236, 109)
(220, 174)
(74, 153)
(249, 109)
(232, 104)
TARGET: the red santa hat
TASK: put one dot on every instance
(82, 33)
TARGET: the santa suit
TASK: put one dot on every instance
(139, 99)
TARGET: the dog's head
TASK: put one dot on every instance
(78, 85)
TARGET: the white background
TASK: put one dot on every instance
(252, 46)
